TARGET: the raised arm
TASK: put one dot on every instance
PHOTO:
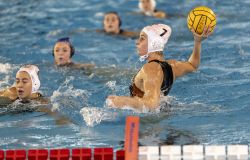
(181, 68)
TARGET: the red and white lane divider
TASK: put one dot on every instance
(133, 152)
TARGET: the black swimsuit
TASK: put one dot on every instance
(166, 83)
(39, 95)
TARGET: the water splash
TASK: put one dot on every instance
(19, 107)
(67, 95)
(54, 33)
(5, 81)
(99, 14)
(5, 68)
(112, 86)
(165, 106)
(94, 115)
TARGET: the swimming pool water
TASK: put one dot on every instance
(210, 106)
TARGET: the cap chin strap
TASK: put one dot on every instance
(144, 57)
(148, 13)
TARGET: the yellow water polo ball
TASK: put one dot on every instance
(200, 17)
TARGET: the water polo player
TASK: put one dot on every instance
(156, 77)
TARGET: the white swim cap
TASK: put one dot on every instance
(158, 35)
(148, 13)
(32, 70)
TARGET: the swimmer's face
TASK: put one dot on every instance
(23, 85)
(111, 23)
(62, 53)
(147, 5)
(142, 44)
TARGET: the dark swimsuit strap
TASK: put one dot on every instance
(39, 95)
(168, 76)
(121, 31)
(166, 84)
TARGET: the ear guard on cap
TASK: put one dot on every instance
(158, 35)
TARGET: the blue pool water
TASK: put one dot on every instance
(210, 106)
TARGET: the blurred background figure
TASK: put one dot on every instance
(112, 25)
(63, 51)
(148, 8)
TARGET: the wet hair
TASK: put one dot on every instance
(113, 12)
(67, 40)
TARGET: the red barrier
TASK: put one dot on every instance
(59, 154)
(37, 154)
(81, 154)
(1, 155)
(103, 153)
(15, 154)
(120, 155)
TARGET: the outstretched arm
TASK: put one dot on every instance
(131, 34)
(160, 14)
(84, 66)
(9, 93)
(59, 119)
(182, 68)
(152, 75)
